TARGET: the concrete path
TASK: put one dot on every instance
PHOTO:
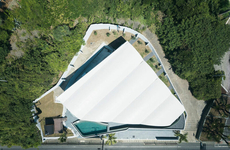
(160, 72)
(148, 56)
(133, 40)
(225, 66)
(193, 106)
(143, 134)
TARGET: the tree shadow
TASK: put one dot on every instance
(203, 117)
(38, 111)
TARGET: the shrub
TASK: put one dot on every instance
(146, 51)
(108, 34)
(95, 32)
(152, 60)
(114, 33)
(139, 42)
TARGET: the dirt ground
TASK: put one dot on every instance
(48, 107)
(102, 37)
(18, 42)
(96, 39)
(142, 49)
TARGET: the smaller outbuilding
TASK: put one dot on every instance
(54, 125)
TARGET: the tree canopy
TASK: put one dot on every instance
(194, 39)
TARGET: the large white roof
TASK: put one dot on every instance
(123, 89)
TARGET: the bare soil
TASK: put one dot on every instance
(23, 35)
(18, 40)
(48, 107)
(95, 41)
(102, 37)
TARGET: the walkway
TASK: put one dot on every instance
(133, 40)
(193, 106)
(160, 72)
(148, 56)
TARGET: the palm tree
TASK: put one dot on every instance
(111, 139)
(182, 137)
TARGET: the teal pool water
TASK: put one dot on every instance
(87, 128)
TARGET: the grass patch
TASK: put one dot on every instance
(164, 79)
(173, 92)
(154, 64)
(114, 33)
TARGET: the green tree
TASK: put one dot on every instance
(194, 39)
(111, 139)
(221, 105)
(60, 32)
(214, 127)
(62, 138)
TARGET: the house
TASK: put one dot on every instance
(123, 89)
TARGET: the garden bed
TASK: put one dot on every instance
(107, 36)
(142, 49)
(164, 79)
(154, 64)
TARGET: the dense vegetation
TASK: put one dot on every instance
(194, 39)
(190, 32)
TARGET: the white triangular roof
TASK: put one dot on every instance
(123, 88)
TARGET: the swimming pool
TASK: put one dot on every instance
(89, 128)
